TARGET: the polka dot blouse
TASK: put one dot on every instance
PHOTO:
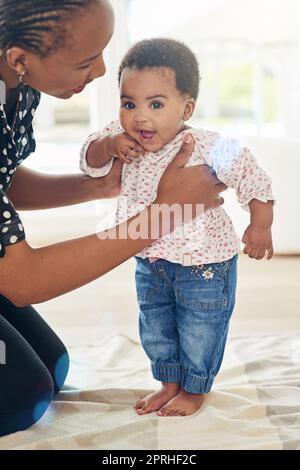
(16, 144)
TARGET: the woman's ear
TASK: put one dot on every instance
(189, 109)
(16, 58)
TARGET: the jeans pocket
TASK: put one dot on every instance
(147, 284)
(202, 290)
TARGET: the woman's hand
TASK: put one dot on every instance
(108, 187)
(194, 185)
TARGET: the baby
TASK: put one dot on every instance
(186, 283)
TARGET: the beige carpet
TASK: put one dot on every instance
(255, 403)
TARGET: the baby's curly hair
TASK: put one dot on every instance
(166, 53)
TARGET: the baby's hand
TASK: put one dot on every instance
(258, 240)
(125, 148)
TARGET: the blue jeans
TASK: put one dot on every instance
(184, 319)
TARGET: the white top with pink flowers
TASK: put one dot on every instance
(211, 238)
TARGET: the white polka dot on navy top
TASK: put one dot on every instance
(15, 146)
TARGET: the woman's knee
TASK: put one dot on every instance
(61, 370)
(27, 402)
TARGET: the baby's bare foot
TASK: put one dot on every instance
(156, 400)
(183, 404)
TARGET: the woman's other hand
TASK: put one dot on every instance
(194, 185)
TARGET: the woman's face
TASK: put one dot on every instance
(68, 70)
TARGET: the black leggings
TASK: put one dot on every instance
(33, 367)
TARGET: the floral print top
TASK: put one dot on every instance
(211, 238)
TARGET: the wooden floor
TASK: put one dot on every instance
(268, 302)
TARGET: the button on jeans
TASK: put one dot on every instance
(184, 319)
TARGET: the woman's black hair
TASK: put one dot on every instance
(167, 53)
(38, 26)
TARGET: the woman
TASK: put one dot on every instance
(57, 48)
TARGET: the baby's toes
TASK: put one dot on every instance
(165, 411)
(162, 411)
(139, 404)
(170, 411)
(178, 413)
(147, 408)
(173, 412)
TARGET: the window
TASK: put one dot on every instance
(250, 75)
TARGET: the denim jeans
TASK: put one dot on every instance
(184, 319)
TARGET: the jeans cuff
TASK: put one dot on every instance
(196, 384)
(166, 372)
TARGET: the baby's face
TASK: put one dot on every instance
(153, 111)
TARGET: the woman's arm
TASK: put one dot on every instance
(30, 275)
(31, 190)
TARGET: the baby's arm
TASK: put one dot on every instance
(238, 169)
(258, 236)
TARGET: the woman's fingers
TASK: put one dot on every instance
(189, 185)
(184, 153)
(220, 188)
(113, 180)
(209, 172)
(219, 201)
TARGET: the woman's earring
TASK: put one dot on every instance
(21, 78)
(21, 81)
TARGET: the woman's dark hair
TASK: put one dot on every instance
(38, 26)
(166, 53)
